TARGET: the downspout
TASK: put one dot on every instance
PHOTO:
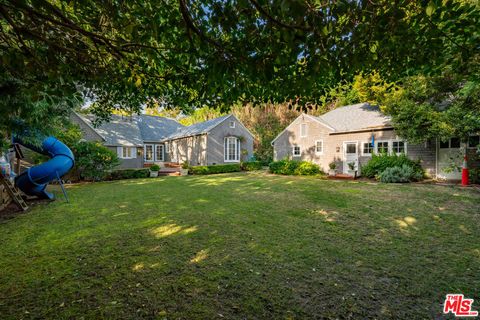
(436, 158)
(206, 149)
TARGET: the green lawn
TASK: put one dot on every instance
(242, 246)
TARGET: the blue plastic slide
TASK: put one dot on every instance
(34, 180)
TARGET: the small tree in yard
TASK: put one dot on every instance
(93, 160)
(440, 107)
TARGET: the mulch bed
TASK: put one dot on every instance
(13, 210)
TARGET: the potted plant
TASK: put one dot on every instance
(154, 171)
(332, 165)
(184, 168)
(351, 169)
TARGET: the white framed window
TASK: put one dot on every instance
(126, 152)
(399, 147)
(159, 154)
(319, 147)
(232, 124)
(453, 143)
(367, 149)
(231, 149)
(382, 147)
(303, 130)
(473, 141)
(296, 151)
(148, 152)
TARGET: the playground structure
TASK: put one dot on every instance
(34, 180)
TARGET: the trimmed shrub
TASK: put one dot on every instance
(252, 165)
(219, 168)
(307, 169)
(380, 162)
(401, 174)
(291, 167)
(129, 174)
(155, 167)
(93, 160)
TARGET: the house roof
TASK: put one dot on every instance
(135, 130)
(119, 131)
(362, 116)
(356, 117)
(198, 128)
(154, 128)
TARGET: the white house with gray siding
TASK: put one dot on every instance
(352, 133)
(144, 140)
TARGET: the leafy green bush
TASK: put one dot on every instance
(402, 174)
(93, 160)
(219, 168)
(129, 174)
(154, 167)
(474, 175)
(291, 167)
(252, 165)
(380, 162)
(307, 169)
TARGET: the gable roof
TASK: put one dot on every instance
(362, 116)
(154, 128)
(198, 128)
(138, 129)
(119, 131)
(317, 119)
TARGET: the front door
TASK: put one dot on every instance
(350, 155)
(450, 159)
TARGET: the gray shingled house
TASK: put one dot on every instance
(352, 133)
(143, 140)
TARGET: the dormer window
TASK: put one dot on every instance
(303, 130)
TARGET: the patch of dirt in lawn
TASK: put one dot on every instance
(13, 210)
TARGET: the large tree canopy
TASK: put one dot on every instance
(190, 53)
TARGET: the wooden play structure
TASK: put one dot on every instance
(8, 192)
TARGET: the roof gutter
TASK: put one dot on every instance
(362, 130)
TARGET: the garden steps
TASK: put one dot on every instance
(341, 176)
(169, 171)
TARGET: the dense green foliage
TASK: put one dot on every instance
(402, 174)
(218, 168)
(57, 54)
(435, 107)
(128, 174)
(380, 162)
(93, 160)
(292, 167)
(252, 165)
(154, 167)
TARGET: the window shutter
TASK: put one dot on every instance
(119, 152)
(134, 152)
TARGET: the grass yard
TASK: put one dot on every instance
(242, 246)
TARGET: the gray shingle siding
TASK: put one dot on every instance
(88, 132)
(333, 143)
(216, 138)
(426, 153)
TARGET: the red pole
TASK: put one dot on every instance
(465, 171)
